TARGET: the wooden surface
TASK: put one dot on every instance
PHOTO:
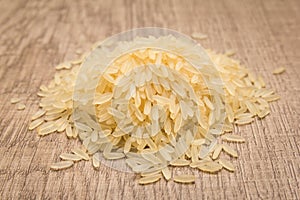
(36, 35)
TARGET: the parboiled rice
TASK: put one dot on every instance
(69, 156)
(62, 165)
(211, 167)
(21, 106)
(199, 36)
(15, 100)
(226, 164)
(229, 150)
(184, 178)
(149, 179)
(232, 138)
(146, 88)
(279, 70)
(166, 173)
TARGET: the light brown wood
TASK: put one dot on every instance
(37, 35)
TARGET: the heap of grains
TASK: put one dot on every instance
(153, 108)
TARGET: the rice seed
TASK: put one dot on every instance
(79, 51)
(272, 97)
(198, 163)
(211, 167)
(152, 158)
(149, 179)
(15, 100)
(244, 115)
(229, 150)
(161, 100)
(177, 123)
(279, 70)
(217, 151)
(69, 156)
(95, 160)
(230, 52)
(38, 114)
(251, 107)
(83, 127)
(100, 99)
(244, 121)
(226, 164)
(81, 153)
(208, 103)
(232, 138)
(61, 165)
(65, 65)
(198, 142)
(21, 106)
(151, 173)
(62, 126)
(261, 81)
(113, 156)
(69, 131)
(166, 173)
(34, 124)
(199, 36)
(184, 178)
(47, 128)
(263, 113)
(180, 162)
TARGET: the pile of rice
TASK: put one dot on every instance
(152, 108)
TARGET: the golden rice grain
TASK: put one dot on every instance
(103, 98)
(34, 124)
(61, 165)
(65, 65)
(114, 156)
(279, 70)
(263, 113)
(15, 100)
(226, 164)
(232, 138)
(46, 128)
(38, 114)
(149, 179)
(230, 150)
(199, 163)
(69, 131)
(21, 106)
(71, 157)
(244, 121)
(230, 52)
(272, 97)
(180, 162)
(198, 142)
(199, 36)
(211, 167)
(184, 178)
(151, 173)
(95, 161)
(217, 151)
(81, 153)
(166, 173)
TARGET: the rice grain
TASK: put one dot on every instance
(279, 70)
(61, 165)
(149, 179)
(184, 178)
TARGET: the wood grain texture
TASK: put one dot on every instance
(36, 35)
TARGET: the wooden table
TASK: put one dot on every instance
(36, 35)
